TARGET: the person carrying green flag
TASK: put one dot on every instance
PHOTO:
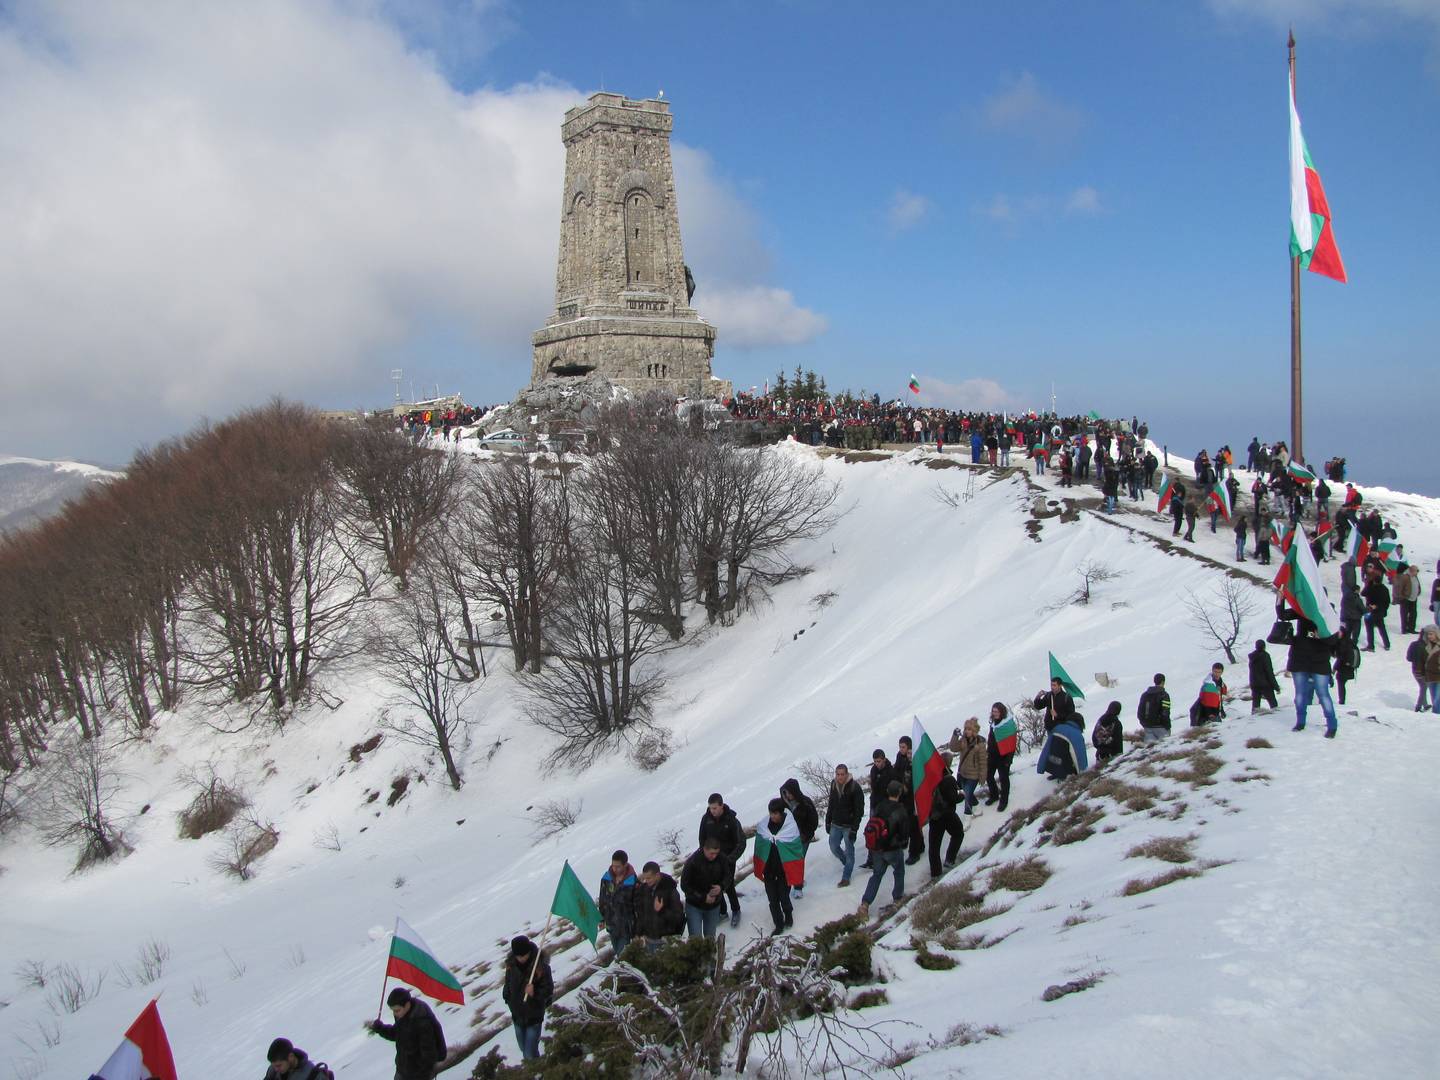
(1058, 702)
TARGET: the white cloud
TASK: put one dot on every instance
(1083, 200)
(206, 204)
(906, 210)
(725, 249)
(971, 394)
(1022, 109)
(758, 315)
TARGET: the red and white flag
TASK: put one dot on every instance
(144, 1053)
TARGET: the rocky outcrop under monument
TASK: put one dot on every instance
(559, 403)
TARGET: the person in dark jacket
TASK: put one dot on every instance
(1057, 704)
(1347, 661)
(844, 818)
(1177, 506)
(707, 876)
(659, 911)
(904, 772)
(1108, 738)
(617, 901)
(1263, 684)
(1377, 606)
(944, 820)
(997, 765)
(415, 1033)
(1309, 667)
(529, 988)
(1352, 605)
(1154, 711)
(720, 823)
(777, 888)
(891, 852)
(807, 818)
(881, 773)
(289, 1062)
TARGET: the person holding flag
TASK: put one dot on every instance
(529, 989)
(999, 753)
(419, 1047)
(779, 861)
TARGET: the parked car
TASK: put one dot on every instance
(507, 441)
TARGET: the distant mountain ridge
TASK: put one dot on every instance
(32, 489)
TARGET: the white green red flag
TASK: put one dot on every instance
(1058, 672)
(145, 1051)
(914, 385)
(787, 841)
(1281, 533)
(1006, 734)
(1167, 492)
(926, 769)
(1388, 552)
(1356, 546)
(1299, 473)
(1312, 237)
(1299, 583)
(412, 963)
(1219, 498)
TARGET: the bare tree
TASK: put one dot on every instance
(395, 493)
(1092, 573)
(82, 795)
(413, 647)
(1221, 615)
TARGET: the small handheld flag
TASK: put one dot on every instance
(573, 902)
(914, 385)
(1220, 499)
(1167, 492)
(144, 1053)
(1058, 672)
(412, 963)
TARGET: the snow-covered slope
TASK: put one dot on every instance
(31, 489)
(1308, 953)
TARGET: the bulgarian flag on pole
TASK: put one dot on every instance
(1281, 533)
(1220, 499)
(1312, 237)
(914, 385)
(144, 1053)
(1389, 558)
(1167, 492)
(1299, 473)
(1299, 583)
(412, 962)
(1058, 672)
(787, 841)
(1356, 546)
(926, 769)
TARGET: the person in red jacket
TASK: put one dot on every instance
(1213, 695)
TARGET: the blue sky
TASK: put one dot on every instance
(994, 197)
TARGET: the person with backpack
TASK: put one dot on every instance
(904, 772)
(807, 818)
(881, 773)
(1153, 711)
(1347, 661)
(887, 835)
(970, 751)
(997, 765)
(290, 1062)
(1309, 667)
(944, 821)
(1108, 738)
(529, 988)
(659, 911)
(844, 818)
(721, 824)
(617, 901)
(1210, 705)
(419, 1043)
(1263, 684)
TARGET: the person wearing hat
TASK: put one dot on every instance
(288, 1061)
(419, 1047)
(529, 987)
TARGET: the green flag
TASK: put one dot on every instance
(573, 902)
(1058, 672)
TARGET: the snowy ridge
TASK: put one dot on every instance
(913, 607)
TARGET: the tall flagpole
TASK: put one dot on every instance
(1297, 422)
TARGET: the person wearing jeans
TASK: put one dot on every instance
(529, 987)
(891, 853)
(703, 882)
(844, 817)
(1377, 606)
(971, 753)
(1309, 664)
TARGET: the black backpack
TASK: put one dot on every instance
(321, 1071)
(877, 832)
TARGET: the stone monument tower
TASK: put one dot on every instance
(622, 289)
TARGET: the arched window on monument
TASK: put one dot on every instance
(575, 242)
(639, 238)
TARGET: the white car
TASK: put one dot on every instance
(507, 441)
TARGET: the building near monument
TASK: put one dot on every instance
(622, 289)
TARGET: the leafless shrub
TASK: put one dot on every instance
(1071, 825)
(651, 749)
(49, 1033)
(1221, 615)
(32, 973)
(150, 961)
(1092, 573)
(668, 841)
(1024, 875)
(817, 776)
(1074, 986)
(1031, 724)
(943, 907)
(1171, 849)
(1140, 885)
(82, 793)
(215, 804)
(237, 967)
(71, 989)
(820, 601)
(1257, 743)
(554, 817)
(964, 1034)
(198, 994)
(245, 842)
